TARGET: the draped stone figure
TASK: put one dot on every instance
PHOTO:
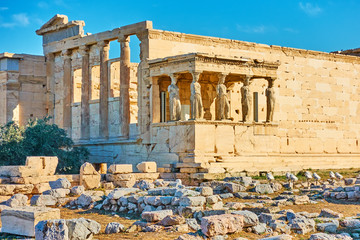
(174, 99)
(270, 101)
(223, 100)
(195, 99)
(245, 100)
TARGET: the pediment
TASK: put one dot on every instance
(57, 20)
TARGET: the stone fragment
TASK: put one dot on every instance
(77, 190)
(213, 199)
(328, 213)
(250, 218)
(144, 185)
(147, 167)
(7, 189)
(205, 191)
(221, 224)
(120, 192)
(235, 205)
(88, 169)
(156, 216)
(90, 181)
(22, 220)
(264, 189)
(114, 227)
(186, 192)
(57, 193)
(190, 236)
(17, 200)
(325, 236)
(52, 229)
(153, 228)
(82, 228)
(279, 237)
(349, 181)
(41, 165)
(302, 225)
(172, 220)
(60, 183)
(301, 199)
(259, 229)
(41, 187)
(120, 168)
(329, 227)
(192, 201)
(350, 223)
(234, 187)
(43, 200)
(193, 224)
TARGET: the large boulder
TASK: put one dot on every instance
(52, 229)
(221, 224)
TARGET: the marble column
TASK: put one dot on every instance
(124, 104)
(50, 97)
(67, 91)
(104, 89)
(85, 93)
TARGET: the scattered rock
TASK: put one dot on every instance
(250, 218)
(17, 200)
(263, 189)
(114, 227)
(77, 190)
(221, 224)
(52, 229)
(328, 213)
(156, 216)
(172, 220)
(60, 183)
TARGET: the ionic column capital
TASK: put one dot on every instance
(222, 76)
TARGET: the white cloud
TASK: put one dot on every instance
(20, 19)
(310, 9)
(255, 29)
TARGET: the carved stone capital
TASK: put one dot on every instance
(196, 75)
(66, 53)
(222, 77)
(49, 57)
(123, 38)
(84, 50)
(104, 45)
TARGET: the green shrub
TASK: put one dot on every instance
(39, 138)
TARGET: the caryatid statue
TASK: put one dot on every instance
(195, 99)
(223, 100)
(174, 99)
(246, 100)
(270, 101)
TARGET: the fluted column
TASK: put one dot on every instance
(67, 91)
(50, 63)
(85, 107)
(124, 106)
(104, 89)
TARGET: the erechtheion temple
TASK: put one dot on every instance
(199, 105)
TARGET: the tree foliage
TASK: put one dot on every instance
(39, 138)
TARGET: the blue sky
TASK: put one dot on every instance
(316, 25)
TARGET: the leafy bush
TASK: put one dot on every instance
(39, 138)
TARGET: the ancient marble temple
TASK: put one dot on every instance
(201, 106)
